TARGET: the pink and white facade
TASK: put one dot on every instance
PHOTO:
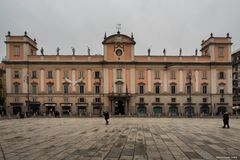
(119, 81)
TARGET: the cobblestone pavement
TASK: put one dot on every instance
(123, 138)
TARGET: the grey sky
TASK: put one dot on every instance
(170, 24)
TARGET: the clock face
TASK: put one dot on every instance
(119, 52)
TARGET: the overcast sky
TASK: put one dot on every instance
(158, 24)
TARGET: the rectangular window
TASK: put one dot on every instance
(221, 75)
(34, 74)
(119, 73)
(204, 74)
(97, 74)
(50, 99)
(220, 51)
(81, 100)
(16, 99)
(173, 89)
(141, 100)
(81, 75)
(16, 50)
(221, 100)
(34, 99)
(97, 89)
(204, 89)
(173, 75)
(34, 89)
(173, 100)
(204, 99)
(16, 74)
(189, 100)
(141, 89)
(98, 100)
(81, 89)
(157, 100)
(50, 75)
(157, 74)
(141, 75)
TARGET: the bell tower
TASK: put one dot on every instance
(19, 47)
(218, 48)
(118, 47)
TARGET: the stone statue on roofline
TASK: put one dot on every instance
(164, 52)
(73, 51)
(42, 51)
(58, 49)
(88, 50)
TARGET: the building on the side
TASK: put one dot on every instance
(119, 81)
(2, 89)
(236, 80)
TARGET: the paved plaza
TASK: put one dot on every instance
(123, 138)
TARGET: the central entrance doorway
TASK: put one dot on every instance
(119, 107)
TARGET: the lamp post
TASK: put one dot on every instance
(189, 77)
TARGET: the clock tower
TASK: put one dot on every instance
(118, 47)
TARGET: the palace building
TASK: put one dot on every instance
(119, 80)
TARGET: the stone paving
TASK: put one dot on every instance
(123, 138)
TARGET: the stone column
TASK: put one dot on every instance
(180, 80)
(214, 81)
(8, 80)
(114, 79)
(89, 80)
(105, 83)
(132, 80)
(197, 81)
(149, 80)
(42, 80)
(165, 81)
(24, 80)
(229, 81)
(124, 79)
(73, 80)
(58, 80)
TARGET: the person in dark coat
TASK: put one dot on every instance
(225, 120)
(106, 117)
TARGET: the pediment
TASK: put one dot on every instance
(118, 38)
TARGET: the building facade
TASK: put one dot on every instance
(236, 80)
(2, 89)
(119, 81)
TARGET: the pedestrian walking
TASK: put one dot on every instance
(106, 116)
(225, 120)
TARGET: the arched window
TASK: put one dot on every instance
(173, 88)
(141, 88)
(50, 88)
(16, 88)
(119, 86)
(34, 88)
(157, 88)
(81, 88)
